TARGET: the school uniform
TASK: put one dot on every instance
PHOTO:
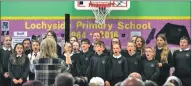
(31, 57)
(118, 69)
(84, 61)
(182, 64)
(164, 70)
(150, 70)
(76, 53)
(139, 52)
(59, 50)
(18, 68)
(133, 62)
(5, 56)
(98, 66)
(75, 67)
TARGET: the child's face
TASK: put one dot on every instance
(115, 40)
(26, 44)
(183, 44)
(85, 45)
(72, 39)
(96, 36)
(99, 48)
(35, 46)
(138, 42)
(76, 46)
(160, 42)
(149, 53)
(7, 41)
(49, 35)
(68, 47)
(19, 49)
(116, 49)
(131, 47)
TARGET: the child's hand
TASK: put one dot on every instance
(20, 80)
(68, 60)
(68, 54)
(160, 64)
(15, 81)
(6, 75)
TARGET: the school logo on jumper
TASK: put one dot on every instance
(119, 61)
(103, 61)
(86, 58)
(135, 63)
(152, 65)
(179, 29)
(187, 55)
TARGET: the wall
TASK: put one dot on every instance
(38, 17)
(60, 8)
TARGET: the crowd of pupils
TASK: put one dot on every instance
(32, 60)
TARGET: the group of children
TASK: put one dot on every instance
(94, 60)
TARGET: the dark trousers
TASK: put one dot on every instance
(13, 84)
(115, 80)
(5, 81)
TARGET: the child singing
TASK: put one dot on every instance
(18, 66)
(118, 71)
(33, 55)
(133, 58)
(99, 63)
(150, 69)
(68, 47)
(182, 61)
(5, 56)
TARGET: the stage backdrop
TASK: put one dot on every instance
(83, 28)
(24, 19)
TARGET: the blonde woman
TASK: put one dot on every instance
(164, 57)
(48, 65)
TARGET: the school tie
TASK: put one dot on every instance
(35, 55)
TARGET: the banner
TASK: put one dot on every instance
(84, 28)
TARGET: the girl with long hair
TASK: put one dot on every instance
(140, 45)
(18, 66)
(164, 58)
